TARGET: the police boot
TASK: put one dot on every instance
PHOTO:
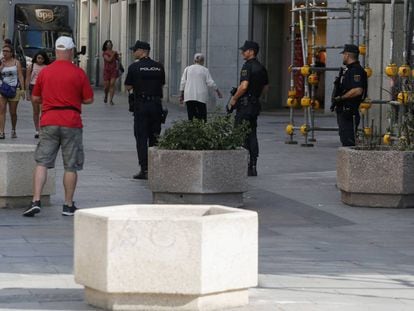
(143, 174)
(252, 171)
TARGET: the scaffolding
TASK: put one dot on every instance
(358, 12)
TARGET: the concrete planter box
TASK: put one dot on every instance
(198, 177)
(16, 175)
(166, 257)
(376, 178)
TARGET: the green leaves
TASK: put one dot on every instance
(406, 133)
(218, 133)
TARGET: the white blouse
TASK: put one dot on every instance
(195, 81)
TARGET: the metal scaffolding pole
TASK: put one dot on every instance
(358, 21)
(352, 37)
(292, 73)
(306, 109)
(313, 89)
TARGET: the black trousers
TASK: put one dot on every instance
(347, 128)
(249, 113)
(196, 109)
(147, 128)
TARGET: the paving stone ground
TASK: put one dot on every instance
(315, 252)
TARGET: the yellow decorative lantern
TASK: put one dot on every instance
(368, 131)
(316, 104)
(366, 104)
(313, 79)
(362, 49)
(305, 101)
(387, 139)
(292, 102)
(305, 70)
(289, 129)
(391, 70)
(368, 70)
(402, 98)
(304, 129)
(292, 92)
(404, 71)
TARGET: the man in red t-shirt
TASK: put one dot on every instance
(61, 88)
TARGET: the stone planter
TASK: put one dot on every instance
(166, 257)
(16, 176)
(198, 177)
(376, 178)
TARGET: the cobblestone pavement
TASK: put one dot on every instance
(315, 253)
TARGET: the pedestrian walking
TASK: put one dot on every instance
(253, 81)
(39, 61)
(12, 78)
(111, 70)
(5, 41)
(350, 89)
(61, 88)
(146, 78)
(195, 81)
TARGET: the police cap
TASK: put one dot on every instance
(350, 48)
(250, 45)
(140, 45)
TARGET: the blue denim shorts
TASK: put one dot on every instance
(68, 139)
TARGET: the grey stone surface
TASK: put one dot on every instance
(207, 256)
(315, 254)
(218, 174)
(376, 178)
(16, 170)
(228, 199)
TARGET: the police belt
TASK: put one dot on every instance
(248, 99)
(147, 97)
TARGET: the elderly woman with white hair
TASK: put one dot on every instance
(195, 81)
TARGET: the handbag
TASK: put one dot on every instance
(121, 68)
(7, 90)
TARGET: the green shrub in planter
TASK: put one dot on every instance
(218, 133)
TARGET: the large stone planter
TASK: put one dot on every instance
(198, 177)
(376, 178)
(16, 171)
(166, 257)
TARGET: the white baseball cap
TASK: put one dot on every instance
(64, 43)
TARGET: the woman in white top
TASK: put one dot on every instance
(194, 86)
(39, 62)
(11, 73)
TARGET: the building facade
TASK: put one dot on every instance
(177, 29)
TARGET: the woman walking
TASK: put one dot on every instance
(111, 63)
(40, 61)
(11, 74)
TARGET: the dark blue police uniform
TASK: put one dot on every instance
(248, 106)
(353, 76)
(147, 78)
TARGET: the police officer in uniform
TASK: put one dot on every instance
(146, 77)
(350, 90)
(253, 80)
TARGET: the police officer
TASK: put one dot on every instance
(253, 80)
(350, 90)
(146, 77)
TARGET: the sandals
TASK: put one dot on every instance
(2, 136)
(105, 99)
(13, 134)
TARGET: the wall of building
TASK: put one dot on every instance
(175, 29)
